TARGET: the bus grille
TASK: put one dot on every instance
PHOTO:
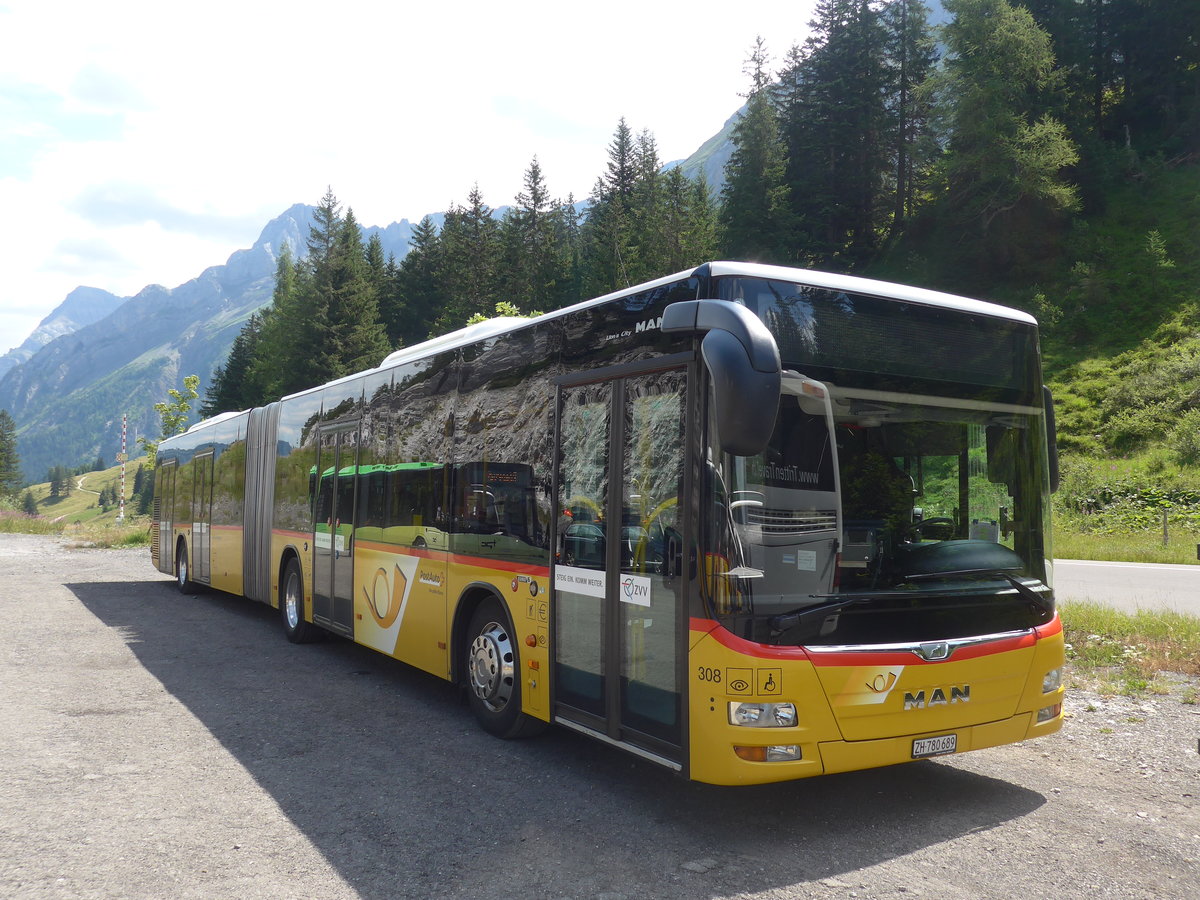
(793, 521)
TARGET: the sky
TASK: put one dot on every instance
(141, 142)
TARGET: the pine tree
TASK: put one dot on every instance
(316, 295)
(415, 298)
(753, 218)
(911, 55)
(470, 259)
(1002, 157)
(622, 169)
(647, 205)
(282, 338)
(10, 461)
(234, 385)
(357, 338)
(145, 496)
(569, 239)
(532, 266)
(29, 504)
(689, 222)
(376, 265)
(833, 100)
(610, 233)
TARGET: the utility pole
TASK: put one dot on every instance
(121, 457)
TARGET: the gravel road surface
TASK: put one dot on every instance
(154, 745)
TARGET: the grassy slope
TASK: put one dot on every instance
(1118, 298)
(82, 506)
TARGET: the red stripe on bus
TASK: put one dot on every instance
(299, 535)
(866, 657)
(1050, 628)
(458, 559)
(743, 646)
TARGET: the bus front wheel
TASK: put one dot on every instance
(492, 674)
(291, 607)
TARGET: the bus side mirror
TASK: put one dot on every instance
(742, 359)
(1051, 437)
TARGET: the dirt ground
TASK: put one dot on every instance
(154, 745)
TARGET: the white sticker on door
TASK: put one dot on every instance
(588, 582)
(635, 589)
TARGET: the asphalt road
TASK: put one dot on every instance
(154, 745)
(1129, 586)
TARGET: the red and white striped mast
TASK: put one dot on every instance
(122, 457)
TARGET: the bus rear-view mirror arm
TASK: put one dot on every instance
(742, 359)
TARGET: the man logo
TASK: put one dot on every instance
(959, 693)
(649, 325)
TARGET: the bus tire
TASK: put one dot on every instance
(492, 673)
(291, 606)
(183, 580)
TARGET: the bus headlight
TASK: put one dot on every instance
(762, 715)
(1052, 681)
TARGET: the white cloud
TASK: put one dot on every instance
(170, 134)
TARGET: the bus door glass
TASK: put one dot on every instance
(333, 529)
(164, 514)
(618, 559)
(202, 517)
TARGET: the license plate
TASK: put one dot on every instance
(934, 746)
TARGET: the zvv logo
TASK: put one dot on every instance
(636, 590)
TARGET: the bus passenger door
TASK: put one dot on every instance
(202, 518)
(163, 533)
(333, 537)
(620, 577)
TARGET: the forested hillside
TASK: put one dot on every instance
(1044, 156)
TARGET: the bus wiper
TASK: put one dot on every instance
(782, 622)
(1023, 589)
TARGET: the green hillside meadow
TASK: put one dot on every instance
(79, 515)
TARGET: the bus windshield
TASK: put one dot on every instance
(881, 515)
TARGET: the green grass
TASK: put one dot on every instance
(79, 516)
(133, 532)
(18, 523)
(82, 504)
(1126, 653)
(1136, 547)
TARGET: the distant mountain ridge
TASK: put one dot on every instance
(82, 306)
(67, 386)
(98, 355)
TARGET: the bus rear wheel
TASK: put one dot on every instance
(183, 579)
(291, 607)
(492, 673)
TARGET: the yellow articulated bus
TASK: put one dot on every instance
(751, 523)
